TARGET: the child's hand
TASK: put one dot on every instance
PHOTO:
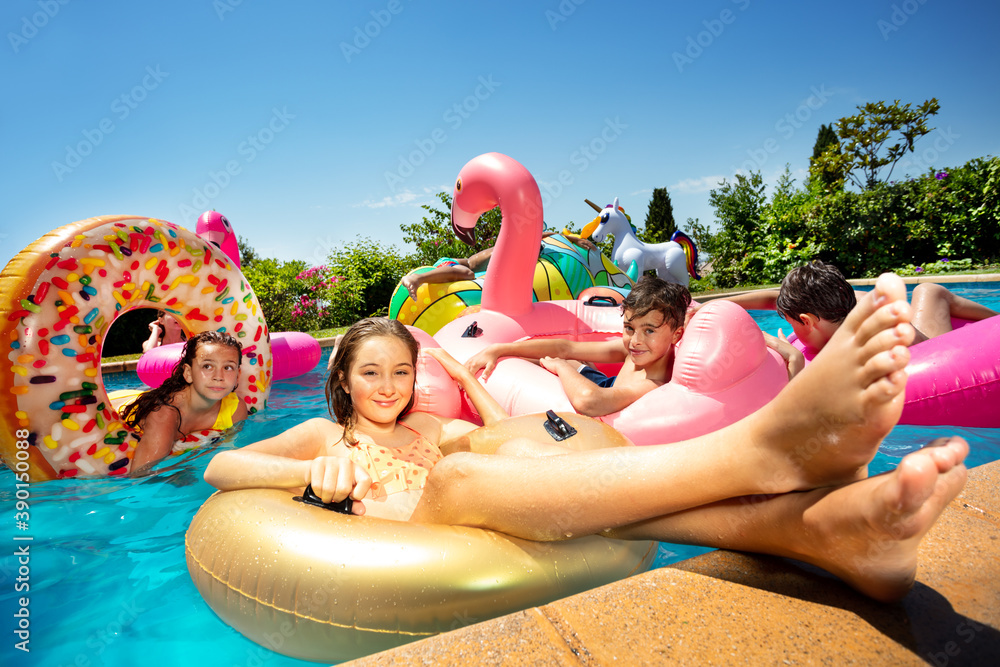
(794, 360)
(485, 359)
(448, 362)
(334, 478)
(554, 365)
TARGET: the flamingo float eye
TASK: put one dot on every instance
(458, 185)
(225, 223)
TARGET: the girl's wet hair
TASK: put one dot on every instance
(137, 411)
(338, 400)
(816, 288)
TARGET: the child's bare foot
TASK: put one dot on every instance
(867, 532)
(411, 286)
(826, 426)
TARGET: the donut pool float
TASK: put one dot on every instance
(333, 587)
(58, 298)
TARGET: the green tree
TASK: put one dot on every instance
(434, 237)
(659, 224)
(827, 173)
(275, 284)
(738, 206)
(864, 149)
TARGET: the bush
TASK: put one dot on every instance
(948, 213)
(368, 273)
(277, 289)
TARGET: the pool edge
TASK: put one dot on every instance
(724, 607)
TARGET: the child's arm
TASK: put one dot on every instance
(487, 406)
(289, 460)
(795, 361)
(159, 431)
(155, 329)
(756, 300)
(589, 399)
(606, 351)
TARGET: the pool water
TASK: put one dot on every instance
(108, 579)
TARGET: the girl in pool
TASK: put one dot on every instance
(815, 439)
(198, 395)
(164, 330)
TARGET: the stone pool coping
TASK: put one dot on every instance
(733, 608)
(121, 366)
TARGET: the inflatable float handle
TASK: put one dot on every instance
(557, 427)
(603, 301)
(472, 331)
(309, 497)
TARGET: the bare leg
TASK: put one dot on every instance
(441, 274)
(934, 306)
(822, 429)
(865, 532)
(477, 261)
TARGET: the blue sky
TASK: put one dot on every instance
(310, 123)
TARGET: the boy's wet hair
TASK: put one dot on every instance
(337, 399)
(816, 288)
(652, 293)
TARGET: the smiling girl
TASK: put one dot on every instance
(377, 441)
(198, 395)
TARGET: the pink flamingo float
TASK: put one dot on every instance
(722, 372)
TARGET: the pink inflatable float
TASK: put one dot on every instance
(723, 370)
(954, 379)
(293, 353)
(215, 228)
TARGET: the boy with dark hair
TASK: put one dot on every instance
(654, 313)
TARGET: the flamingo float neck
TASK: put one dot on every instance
(483, 183)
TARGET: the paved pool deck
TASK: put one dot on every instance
(727, 608)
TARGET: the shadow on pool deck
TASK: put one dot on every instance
(726, 608)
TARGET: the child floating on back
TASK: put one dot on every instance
(198, 395)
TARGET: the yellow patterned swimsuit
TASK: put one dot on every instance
(394, 470)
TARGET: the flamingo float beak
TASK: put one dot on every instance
(464, 223)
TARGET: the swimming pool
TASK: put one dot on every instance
(107, 574)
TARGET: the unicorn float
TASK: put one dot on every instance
(294, 353)
(673, 261)
(722, 370)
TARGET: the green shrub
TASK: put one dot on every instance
(952, 212)
(369, 272)
(277, 289)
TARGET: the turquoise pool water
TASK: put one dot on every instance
(108, 581)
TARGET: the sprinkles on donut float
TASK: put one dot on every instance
(58, 298)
